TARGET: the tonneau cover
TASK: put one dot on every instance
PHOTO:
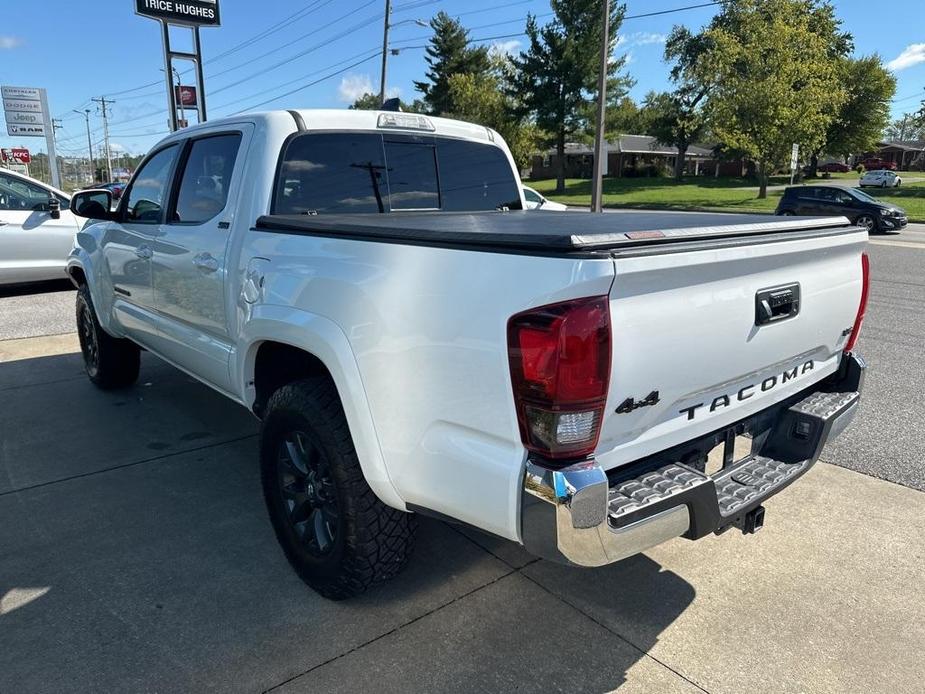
(543, 231)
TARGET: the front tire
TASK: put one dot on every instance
(337, 535)
(868, 222)
(110, 362)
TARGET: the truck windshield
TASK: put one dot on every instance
(374, 172)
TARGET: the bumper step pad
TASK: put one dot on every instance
(723, 498)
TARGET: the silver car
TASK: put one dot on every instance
(36, 230)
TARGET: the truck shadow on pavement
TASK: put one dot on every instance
(136, 554)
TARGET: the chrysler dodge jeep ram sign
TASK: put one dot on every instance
(192, 12)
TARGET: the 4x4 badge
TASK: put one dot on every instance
(629, 404)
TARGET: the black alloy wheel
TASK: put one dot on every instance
(308, 493)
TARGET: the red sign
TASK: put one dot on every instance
(16, 155)
(185, 96)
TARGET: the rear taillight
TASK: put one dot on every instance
(560, 369)
(862, 307)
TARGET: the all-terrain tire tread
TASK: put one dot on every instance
(378, 538)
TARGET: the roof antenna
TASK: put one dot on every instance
(393, 104)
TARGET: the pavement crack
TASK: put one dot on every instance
(125, 465)
(390, 632)
(604, 626)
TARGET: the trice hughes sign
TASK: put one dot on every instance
(191, 12)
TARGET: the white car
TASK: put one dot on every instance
(880, 179)
(535, 201)
(36, 230)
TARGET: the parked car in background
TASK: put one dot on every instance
(880, 179)
(534, 201)
(860, 208)
(833, 167)
(36, 230)
(875, 163)
(115, 188)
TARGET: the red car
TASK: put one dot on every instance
(834, 167)
(877, 164)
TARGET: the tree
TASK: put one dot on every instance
(559, 69)
(865, 112)
(678, 117)
(449, 54)
(909, 127)
(774, 70)
(484, 99)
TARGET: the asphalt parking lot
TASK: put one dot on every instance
(136, 555)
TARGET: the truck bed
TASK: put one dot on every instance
(570, 232)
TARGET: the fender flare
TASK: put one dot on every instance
(325, 340)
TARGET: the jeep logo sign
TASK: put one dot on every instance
(189, 12)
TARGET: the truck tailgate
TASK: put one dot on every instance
(692, 353)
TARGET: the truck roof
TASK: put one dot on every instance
(557, 232)
(353, 119)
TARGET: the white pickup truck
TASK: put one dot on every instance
(367, 284)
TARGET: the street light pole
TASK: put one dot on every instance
(600, 150)
(385, 49)
(86, 114)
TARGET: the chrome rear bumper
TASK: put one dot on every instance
(577, 515)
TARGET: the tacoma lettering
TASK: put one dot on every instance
(747, 391)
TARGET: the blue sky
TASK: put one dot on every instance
(268, 48)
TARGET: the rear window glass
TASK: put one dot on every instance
(368, 172)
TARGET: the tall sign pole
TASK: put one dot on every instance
(26, 112)
(191, 14)
(600, 149)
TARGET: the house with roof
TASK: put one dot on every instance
(628, 155)
(908, 154)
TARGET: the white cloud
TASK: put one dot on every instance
(392, 92)
(509, 47)
(913, 54)
(352, 87)
(641, 38)
(628, 59)
(10, 42)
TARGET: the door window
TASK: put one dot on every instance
(149, 189)
(16, 194)
(531, 196)
(206, 176)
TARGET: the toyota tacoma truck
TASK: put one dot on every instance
(414, 342)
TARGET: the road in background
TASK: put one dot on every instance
(36, 310)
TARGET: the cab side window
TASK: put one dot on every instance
(148, 193)
(206, 176)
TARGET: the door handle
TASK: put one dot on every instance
(205, 262)
(144, 252)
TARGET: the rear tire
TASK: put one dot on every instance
(110, 362)
(337, 535)
(786, 213)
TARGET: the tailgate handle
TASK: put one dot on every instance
(777, 304)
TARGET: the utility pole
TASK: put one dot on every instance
(103, 101)
(385, 49)
(600, 150)
(86, 114)
(55, 125)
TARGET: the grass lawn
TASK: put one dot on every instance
(708, 193)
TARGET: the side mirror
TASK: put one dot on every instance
(54, 208)
(92, 204)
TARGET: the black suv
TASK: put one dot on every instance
(833, 201)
